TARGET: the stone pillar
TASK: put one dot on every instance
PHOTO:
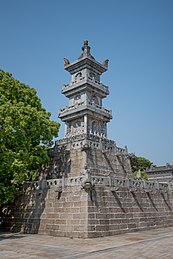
(85, 124)
(65, 130)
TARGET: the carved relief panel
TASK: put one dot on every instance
(93, 75)
(77, 127)
(97, 127)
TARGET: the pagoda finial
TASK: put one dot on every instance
(86, 50)
(85, 42)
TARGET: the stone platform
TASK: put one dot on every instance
(150, 244)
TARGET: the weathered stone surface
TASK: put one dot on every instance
(161, 173)
(76, 213)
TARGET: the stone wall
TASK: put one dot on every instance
(107, 163)
(99, 211)
(25, 213)
(114, 212)
(65, 213)
(50, 212)
(78, 161)
(87, 191)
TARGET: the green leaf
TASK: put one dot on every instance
(26, 132)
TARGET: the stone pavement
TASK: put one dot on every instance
(150, 244)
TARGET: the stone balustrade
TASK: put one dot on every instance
(83, 105)
(71, 107)
(92, 140)
(97, 84)
(121, 150)
(54, 183)
(113, 183)
(98, 107)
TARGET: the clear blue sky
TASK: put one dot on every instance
(135, 35)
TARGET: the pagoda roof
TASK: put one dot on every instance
(86, 60)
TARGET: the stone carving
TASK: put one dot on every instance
(113, 183)
(66, 62)
(138, 176)
(95, 100)
(103, 128)
(92, 75)
(105, 63)
(78, 76)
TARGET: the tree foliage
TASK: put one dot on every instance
(26, 132)
(140, 164)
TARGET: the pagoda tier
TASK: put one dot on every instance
(85, 83)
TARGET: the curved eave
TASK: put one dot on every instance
(85, 110)
(84, 63)
(73, 89)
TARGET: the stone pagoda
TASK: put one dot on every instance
(87, 190)
(85, 113)
(85, 145)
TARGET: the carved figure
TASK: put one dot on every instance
(138, 176)
(102, 128)
(105, 63)
(66, 62)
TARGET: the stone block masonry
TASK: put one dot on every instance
(122, 211)
(51, 212)
(65, 213)
(88, 213)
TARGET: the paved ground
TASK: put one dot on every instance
(153, 244)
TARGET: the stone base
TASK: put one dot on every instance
(89, 192)
(77, 213)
